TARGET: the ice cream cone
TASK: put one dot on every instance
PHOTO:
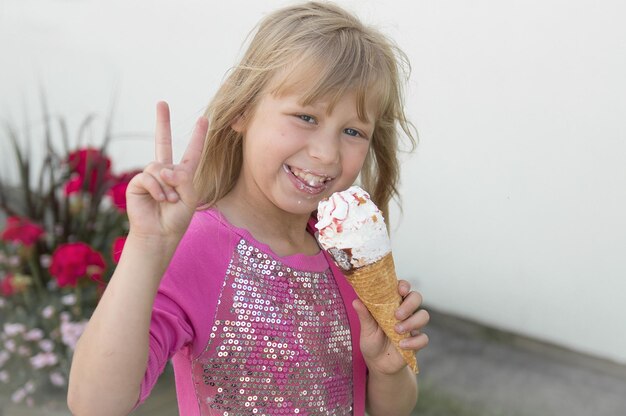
(377, 286)
(352, 229)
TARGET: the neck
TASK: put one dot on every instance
(284, 232)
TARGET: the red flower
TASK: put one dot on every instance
(118, 190)
(77, 184)
(116, 249)
(6, 286)
(87, 165)
(73, 185)
(90, 159)
(118, 194)
(22, 230)
(72, 261)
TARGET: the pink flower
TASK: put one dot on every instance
(44, 359)
(48, 311)
(4, 357)
(116, 249)
(46, 345)
(21, 230)
(34, 334)
(72, 261)
(71, 332)
(12, 330)
(10, 345)
(57, 379)
(18, 395)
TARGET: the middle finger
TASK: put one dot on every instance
(416, 321)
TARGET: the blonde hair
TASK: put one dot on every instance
(330, 51)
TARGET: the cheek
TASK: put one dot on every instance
(352, 163)
(356, 157)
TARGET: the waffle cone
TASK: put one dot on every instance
(377, 287)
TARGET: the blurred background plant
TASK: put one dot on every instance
(63, 223)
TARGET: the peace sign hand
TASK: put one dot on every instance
(161, 200)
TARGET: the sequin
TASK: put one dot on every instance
(280, 343)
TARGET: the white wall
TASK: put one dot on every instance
(516, 210)
(514, 203)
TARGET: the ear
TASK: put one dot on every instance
(239, 124)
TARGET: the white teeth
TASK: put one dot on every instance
(309, 178)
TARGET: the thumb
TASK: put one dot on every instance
(368, 324)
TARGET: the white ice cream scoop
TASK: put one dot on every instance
(352, 229)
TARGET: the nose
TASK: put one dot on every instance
(324, 147)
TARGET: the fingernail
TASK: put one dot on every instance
(167, 173)
(399, 328)
(403, 343)
(172, 196)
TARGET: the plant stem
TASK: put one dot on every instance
(36, 273)
(78, 307)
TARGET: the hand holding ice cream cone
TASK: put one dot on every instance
(381, 355)
(352, 229)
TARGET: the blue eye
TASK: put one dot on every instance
(353, 132)
(307, 118)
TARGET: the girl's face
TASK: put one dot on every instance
(295, 155)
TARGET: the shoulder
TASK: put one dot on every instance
(206, 232)
(203, 223)
(206, 247)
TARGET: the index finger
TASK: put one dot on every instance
(191, 157)
(163, 134)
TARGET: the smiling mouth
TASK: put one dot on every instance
(309, 178)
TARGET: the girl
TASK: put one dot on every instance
(256, 319)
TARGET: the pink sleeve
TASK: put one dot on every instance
(169, 332)
(186, 296)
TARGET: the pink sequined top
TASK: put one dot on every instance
(252, 333)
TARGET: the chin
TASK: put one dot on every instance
(301, 206)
